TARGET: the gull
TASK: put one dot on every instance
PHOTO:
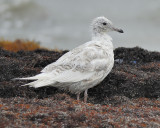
(83, 67)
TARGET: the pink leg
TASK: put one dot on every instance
(78, 94)
(85, 95)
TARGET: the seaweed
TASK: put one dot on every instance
(127, 97)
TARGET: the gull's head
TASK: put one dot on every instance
(102, 25)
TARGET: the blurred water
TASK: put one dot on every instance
(65, 24)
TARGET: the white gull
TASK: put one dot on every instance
(83, 67)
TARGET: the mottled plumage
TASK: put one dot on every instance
(83, 67)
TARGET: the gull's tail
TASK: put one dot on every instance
(40, 80)
(39, 83)
(36, 77)
(52, 78)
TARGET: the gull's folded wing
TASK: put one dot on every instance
(71, 76)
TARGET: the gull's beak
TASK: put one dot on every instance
(118, 30)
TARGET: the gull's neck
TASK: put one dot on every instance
(103, 39)
(101, 36)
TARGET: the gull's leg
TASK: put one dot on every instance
(78, 94)
(85, 95)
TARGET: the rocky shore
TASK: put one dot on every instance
(128, 96)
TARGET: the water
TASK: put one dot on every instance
(65, 24)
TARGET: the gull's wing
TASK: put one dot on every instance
(67, 60)
(79, 64)
(82, 63)
(72, 76)
(81, 57)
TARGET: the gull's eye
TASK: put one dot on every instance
(104, 23)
